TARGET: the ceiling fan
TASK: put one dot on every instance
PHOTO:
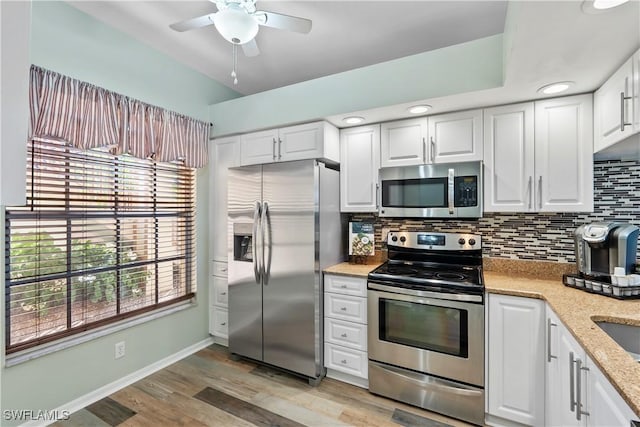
(238, 22)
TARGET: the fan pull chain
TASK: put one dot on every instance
(235, 64)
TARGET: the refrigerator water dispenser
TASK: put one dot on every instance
(243, 242)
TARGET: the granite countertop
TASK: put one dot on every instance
(578, 310)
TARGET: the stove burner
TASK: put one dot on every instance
(450, 276)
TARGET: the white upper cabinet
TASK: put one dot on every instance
(564, 154)
(306, 141)
(403, 142)
(538, 156)
(224, 153)
(360, 160)
(617, 105)
(508, 158)
(455, 137)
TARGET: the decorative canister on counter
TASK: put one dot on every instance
(361, 242)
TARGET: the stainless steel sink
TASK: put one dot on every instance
(628, 336)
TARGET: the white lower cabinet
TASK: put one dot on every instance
(218, 302)
(515, 386)
(577, 392)
(345, 328)
(538, 374)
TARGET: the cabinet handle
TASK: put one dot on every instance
(343, 286)
(529, 190)
(223, 293)
(540, 192)
(279, 148)
(424, 150)
(343, 361)
(549, 355)
(623, 123)
(273, 149)
(223, 323)
(224, 270)
(377, 201)
(343, 335)
(343, 308)
(572, 402)
(579, 411)
(433, 151)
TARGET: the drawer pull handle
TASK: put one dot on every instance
(223, 323)
(223, 269)
(223, 293)
(343, 286)
(343, 361)
(344, 335)
(343, 308)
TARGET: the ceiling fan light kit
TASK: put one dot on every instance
(235, 25)
(238, 22)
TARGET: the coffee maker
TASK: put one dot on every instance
(603, 246)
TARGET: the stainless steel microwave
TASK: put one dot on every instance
(445, 190)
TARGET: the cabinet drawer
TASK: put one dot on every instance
(345, 285)
(219, 268)
(346, 360)
(345, 307)
(219, 322)
(348, 334)
(220, 292)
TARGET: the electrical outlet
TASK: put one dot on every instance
(119, 349)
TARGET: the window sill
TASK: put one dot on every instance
(64, 343)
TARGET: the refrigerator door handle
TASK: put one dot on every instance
(265, 223)
(255, 243)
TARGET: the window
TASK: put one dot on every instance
(102, 237)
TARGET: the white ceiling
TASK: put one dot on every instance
(345, 35)
(544, 42)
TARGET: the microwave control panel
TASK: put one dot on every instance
(465, 191)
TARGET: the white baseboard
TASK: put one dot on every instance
(104, 391)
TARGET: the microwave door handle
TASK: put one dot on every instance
(450, 189)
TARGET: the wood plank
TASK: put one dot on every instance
(110, 411)
(244, 410)
(408, 419)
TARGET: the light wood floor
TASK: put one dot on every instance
(209, 389)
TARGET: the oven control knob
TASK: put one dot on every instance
(472, 242)
(462, 241)
(403, 239)
(394, 238)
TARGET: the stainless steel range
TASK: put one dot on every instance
(426, 323)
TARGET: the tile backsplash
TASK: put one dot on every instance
(538, 236)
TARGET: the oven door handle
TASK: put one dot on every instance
(428, 382)
(424, 294)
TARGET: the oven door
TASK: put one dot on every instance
(427, 334)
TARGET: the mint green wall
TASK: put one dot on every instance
(70, 42)
(466, 67)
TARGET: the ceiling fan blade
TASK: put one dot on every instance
(283, 22)
(193, 23)
(250, 48)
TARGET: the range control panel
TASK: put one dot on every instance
(433, 240)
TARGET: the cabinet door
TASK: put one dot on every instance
(508, 158)
(359, 163)
(225, 153)
(606, 406)
(516, 359)
(564, 154)
(403, 143)
(300, 142)
(610, 109)
(259, 147)
(455, 137)
(559, 385)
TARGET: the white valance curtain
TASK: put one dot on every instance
(88, 117)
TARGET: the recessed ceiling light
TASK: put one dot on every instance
(419, 109)
(607, 4)
(353, 120)
(554, 88)
(598, 6)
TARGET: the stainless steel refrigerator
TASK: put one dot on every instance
(284, 229)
